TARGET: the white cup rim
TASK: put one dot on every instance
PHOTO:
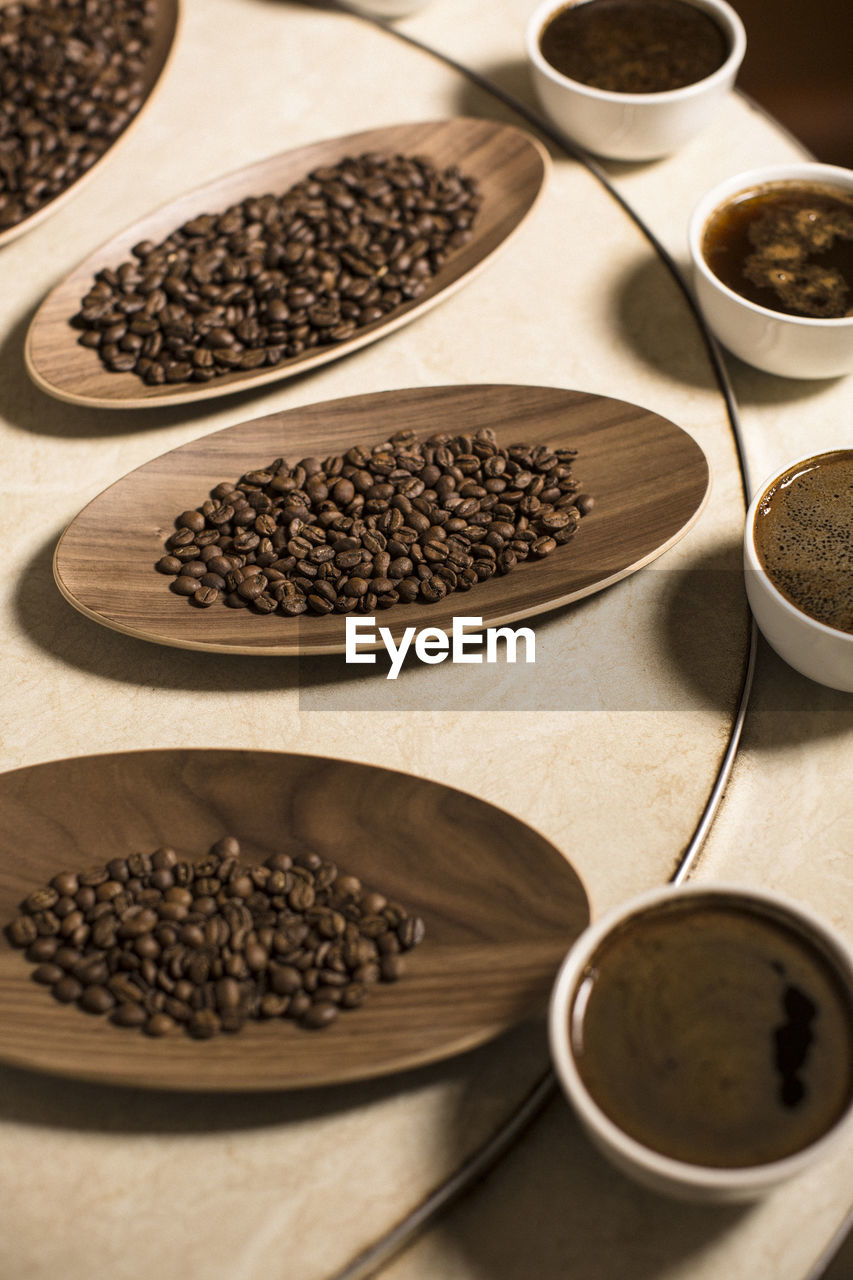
(795, 171)
(689, 1177)
(753, 564)
(720, 9)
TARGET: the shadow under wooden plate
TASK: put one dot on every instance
(501, 907)
(648, 477)
(166, 20)
(509, 165)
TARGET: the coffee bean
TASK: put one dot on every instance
(66, 883)
(319, 1015)
(47, 974)
(42, 949)
(96, 999)
(285, 979)
(411, 931)
(22, 931)
(128, 1015)
(159, 1024)
(203, 1024)
(205, 596)
(67, 989)
(229, 995)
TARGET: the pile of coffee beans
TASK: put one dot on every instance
(158, 942)
(275, 276)
(405, 521)
(71, 78)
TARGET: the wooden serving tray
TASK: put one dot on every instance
(166, 21)
(501, 907)
(508, 163)
(648, 477)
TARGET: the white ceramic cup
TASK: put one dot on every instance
(790, 346)
(633, 126)
(651, 1168)
(822, 653)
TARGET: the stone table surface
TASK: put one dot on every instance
(608, 745)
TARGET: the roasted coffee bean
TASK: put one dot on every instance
(229, 995)
(184, 585)
(411, 931)
(128, 1015)
(66, 883)
(43, 949)
(203, 1023)
(299, 1004)
(158, 1024)
(41, 900)
(96, 999)
(47, 974)
(355, 541)
(73, 77)
(22, 931)
(292, 938)
(67, 989)
(205, 596)
(319, 1015)
(285, 979)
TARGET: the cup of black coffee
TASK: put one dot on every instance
(798, 565)
(704, 1035)
(633, 79)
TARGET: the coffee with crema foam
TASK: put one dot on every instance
(803, 532)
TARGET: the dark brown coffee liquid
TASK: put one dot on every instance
(634, 46)
(804, 537)
(714, 1035)
(788, 247)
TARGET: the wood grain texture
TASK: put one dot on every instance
(166, 21)
(501, 907)
(509, 164)
(649, 479)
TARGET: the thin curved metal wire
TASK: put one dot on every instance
(472, 1170)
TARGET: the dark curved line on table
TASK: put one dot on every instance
(490, 1152)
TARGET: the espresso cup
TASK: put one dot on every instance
(791, 623)
(789, 346)
(704, 1036)
(633, 126)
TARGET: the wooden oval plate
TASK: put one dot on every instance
(501, 907)
(649, 479)
(509, 164)
(166, 19)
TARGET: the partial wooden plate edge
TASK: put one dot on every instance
(41, 215)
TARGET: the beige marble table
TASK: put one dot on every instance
(608, 746)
